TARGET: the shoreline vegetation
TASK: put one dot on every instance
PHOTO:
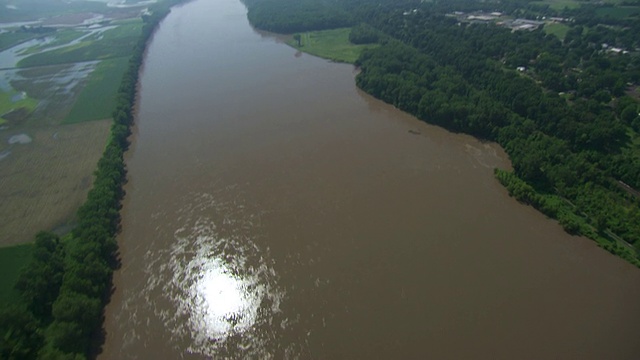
(331, 44)
(558, 97)
(57, 311)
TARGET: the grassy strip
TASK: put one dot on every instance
(12, 260)
(97, 99)
(330, 44)
(563, 211)
(114, 43)
(559, 4)
(559, 30)
(619, 12)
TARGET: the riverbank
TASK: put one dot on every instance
(460, 77)
(63, 318)
(326, 223)
(331, 44)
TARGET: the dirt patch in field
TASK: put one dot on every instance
(17, 116)
(43, 183)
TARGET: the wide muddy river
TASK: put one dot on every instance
(276, 211)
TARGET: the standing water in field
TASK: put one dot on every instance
(275, 211)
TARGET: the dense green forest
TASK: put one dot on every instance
(68, 281)
(288, 16)
(566, 111)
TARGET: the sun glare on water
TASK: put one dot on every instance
(220, 285)
(224, 303)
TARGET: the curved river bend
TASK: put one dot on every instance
(275, 211)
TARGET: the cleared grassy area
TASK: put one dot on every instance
(97, 99)
(557, 29)
(114, 43)
(330, 44)
(7, 104)
(12, 259)
(619, 12)
(559, 4)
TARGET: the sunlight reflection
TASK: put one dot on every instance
(222, 285)
(224, 303)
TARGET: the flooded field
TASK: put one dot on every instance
(47, 153)
(275, 211)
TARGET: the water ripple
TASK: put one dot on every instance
(219, 292)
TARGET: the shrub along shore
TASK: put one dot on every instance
(67, 283)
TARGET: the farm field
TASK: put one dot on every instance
(56, 99)
(102, 84)
(45, 181)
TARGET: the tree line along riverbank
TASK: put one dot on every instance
(566, 111)
(62, 291)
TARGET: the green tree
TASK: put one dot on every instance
(20, 336)
(40, 282)
(629, 114)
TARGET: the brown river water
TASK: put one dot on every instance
(276, 211)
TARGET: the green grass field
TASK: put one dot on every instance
(619, 12)
(12, 259)
(574, 4)
(114, 43)
(330, 44)
(559, 4)
(559, 30)
(97, 99)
